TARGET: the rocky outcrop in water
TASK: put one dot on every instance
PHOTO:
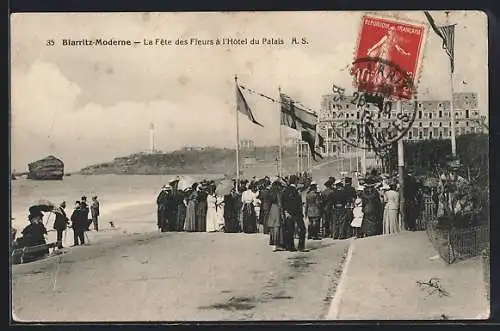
(49, 168)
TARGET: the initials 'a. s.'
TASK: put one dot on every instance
(300, 41)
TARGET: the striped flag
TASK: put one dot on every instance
(296, 117)
(243, 106)
(447, 34)
(301, 120)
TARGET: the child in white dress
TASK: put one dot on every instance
(357, 217)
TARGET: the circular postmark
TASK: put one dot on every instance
(385, 106)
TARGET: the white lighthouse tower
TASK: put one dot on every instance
(152, 147)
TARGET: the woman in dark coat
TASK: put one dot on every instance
(160, 202)
(249, 217)
(275, 219)
(231, 222)
(372, 211)
(201, 210)
(265, 208)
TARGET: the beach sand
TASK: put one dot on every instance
(178, 277)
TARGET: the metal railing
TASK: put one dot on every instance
(452, 243)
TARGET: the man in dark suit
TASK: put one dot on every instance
(79, 223)
(292, 208)
(161, 211)
(85, 209)
(61, 223)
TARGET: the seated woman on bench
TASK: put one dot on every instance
(34, 233)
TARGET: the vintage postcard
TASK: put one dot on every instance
(249, 166)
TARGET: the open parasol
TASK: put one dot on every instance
(224, 187)
(43, 205)
(185, 182)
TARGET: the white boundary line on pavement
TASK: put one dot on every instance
(325, 163)
(333, 311)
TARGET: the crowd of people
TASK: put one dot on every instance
(281, 207)
(284, 208)
(80, 221)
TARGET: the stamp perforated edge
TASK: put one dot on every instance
(387, 16)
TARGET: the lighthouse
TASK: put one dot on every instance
(152, 148)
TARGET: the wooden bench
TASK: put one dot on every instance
(18, 253)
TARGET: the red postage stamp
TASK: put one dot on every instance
(388, 57)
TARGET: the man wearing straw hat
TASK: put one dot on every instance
(313, 211)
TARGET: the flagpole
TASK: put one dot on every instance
(452, 108)
(280, 153)
(401, 176)
(298, 155)
(363, 155)
(237, 139)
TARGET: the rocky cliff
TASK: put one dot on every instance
(199, 161)
(48, 168)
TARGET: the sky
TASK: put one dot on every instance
(87, 105)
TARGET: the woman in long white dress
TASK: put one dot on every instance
(212, 217)
(391, 211)
(220, 212)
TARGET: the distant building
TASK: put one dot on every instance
(432, 119)
(247, 144)
(191, 148)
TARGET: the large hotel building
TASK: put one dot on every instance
(432, 120)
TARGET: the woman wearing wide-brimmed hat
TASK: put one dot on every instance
(34, 234)
(275, 220)
(391, 209)
(191, 200)
(372, 209)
